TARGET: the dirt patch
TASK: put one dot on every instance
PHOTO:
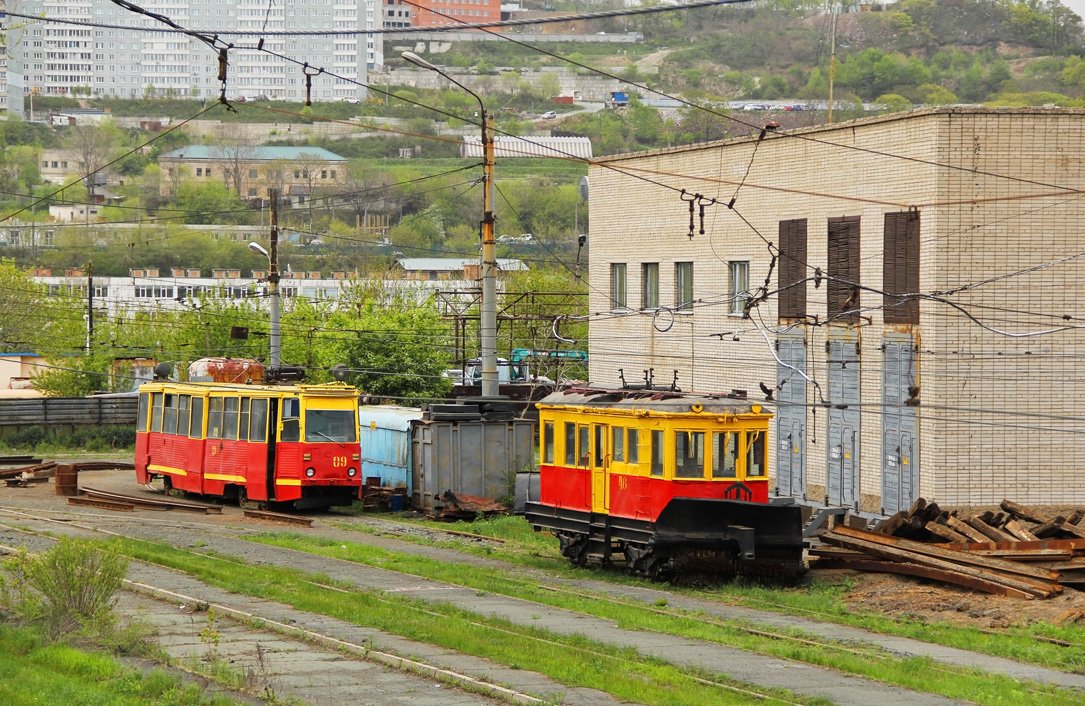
(906, 597)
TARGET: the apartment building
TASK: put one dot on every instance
(908, 292)
(151, 59)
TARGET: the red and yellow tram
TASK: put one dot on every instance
(673, 485)
(293, 445)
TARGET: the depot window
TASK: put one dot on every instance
(724, 455)
(141, 414)
(657, 453)
(548, 442)
(291, 420)
(617, 446)
(156, 412)
(755, 455)
(330, 425)
(570, 444)
(258, 421)
(183, 414)
(214, 418)
(195, 429)
(689, 454)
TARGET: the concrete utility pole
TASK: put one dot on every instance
(90, 305)
(488, 307)
(273, 280)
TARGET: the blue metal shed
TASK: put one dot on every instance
(385, 438)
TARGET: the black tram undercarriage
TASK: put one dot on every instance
(694, 541)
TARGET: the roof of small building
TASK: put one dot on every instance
(260, 153)
(511, 146)
(456, 264)
(390, 417)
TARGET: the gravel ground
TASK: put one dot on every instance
(889, 594)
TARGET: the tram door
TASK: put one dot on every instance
(600, 462)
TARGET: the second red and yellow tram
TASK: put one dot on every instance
(673, 485)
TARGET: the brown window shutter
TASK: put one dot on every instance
(792, 269)
(900, 267)
(843, 269)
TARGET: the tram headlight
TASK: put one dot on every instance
(310, 472)
(352, 472)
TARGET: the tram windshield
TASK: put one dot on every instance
(336, 425)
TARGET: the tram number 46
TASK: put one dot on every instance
(339, 461)
(623, 483)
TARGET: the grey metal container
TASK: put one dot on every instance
(473, 458)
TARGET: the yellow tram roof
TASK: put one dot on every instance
(337, 389)
(650, 402)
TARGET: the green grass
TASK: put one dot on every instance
(916, 673)
(571, 660)
(816, 600)
(32, 672)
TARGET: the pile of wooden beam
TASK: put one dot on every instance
(1018, 552)
(927, 522)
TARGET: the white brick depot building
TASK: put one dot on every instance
(968, 397)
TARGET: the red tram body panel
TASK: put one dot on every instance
(293, 445)
(669, 483)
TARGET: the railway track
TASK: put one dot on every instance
(300, 520)
(773, 634)
(366, 652)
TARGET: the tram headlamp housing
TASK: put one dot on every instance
(352, 472)
(310, 472)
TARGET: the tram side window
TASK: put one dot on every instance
(229, 418)
(243, 426)
(755, 455)
(183, 412)
(724, 455)
(657, 453)
(195, 429)
(570, 444)
(156, 412)
(169, 414)
(583, 446)
(141, 414)
(617, 445)
(214, 418)
(291, 420)
(634, 454)
(689, 454)
(548, 442)
(258, 421)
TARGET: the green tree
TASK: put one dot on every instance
(932, 94)
(23, 303)
(399, 349)
(893, 103)
(702, 125)
(209, 202)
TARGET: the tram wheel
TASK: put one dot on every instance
(245, 504)
(574, 547)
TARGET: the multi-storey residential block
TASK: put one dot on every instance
(908, 289)
(151, 59)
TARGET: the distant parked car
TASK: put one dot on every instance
(549, 115)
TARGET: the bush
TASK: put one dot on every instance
(99, 439)
(69, 589)
(29, 437)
